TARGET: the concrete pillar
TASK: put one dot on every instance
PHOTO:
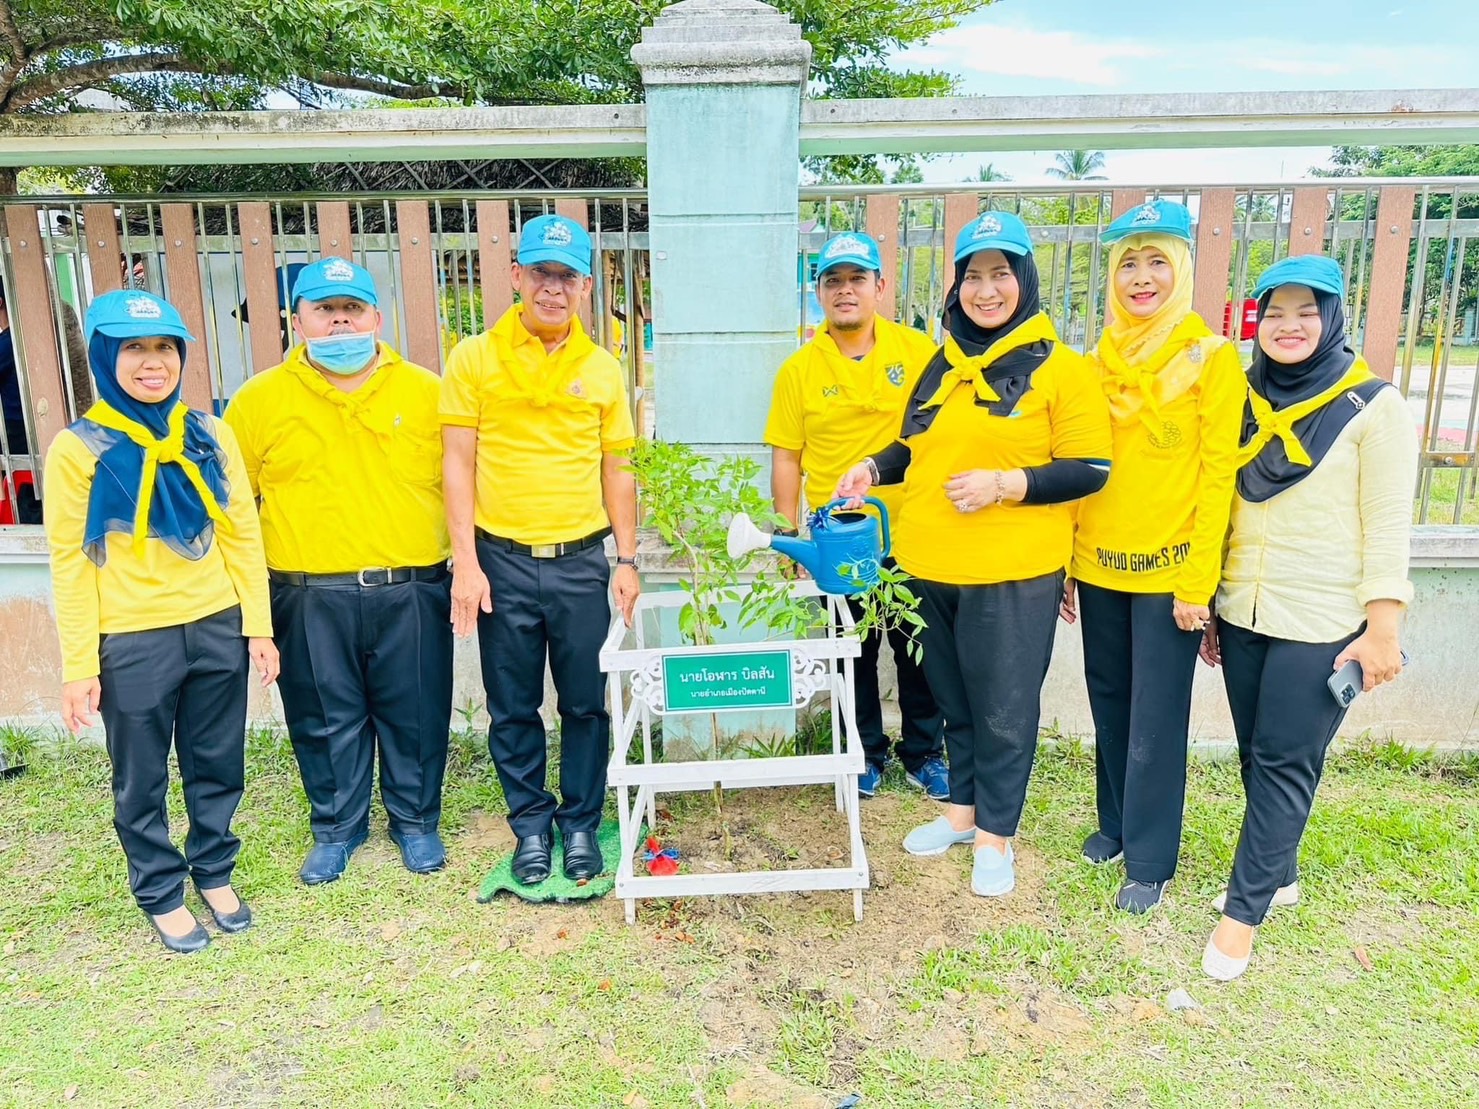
(724, 80)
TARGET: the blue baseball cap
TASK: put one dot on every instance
(1314, 270)
(133, 314)
(555, 239)
(852, 248)
(993, 231)
(1155, 217)
(334, 277)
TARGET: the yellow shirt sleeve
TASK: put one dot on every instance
(1079, 412)
(617, 433)
(1387, 458)
(784, 427)
(241, 545)
(238, 417)
(1219, 427)
(461, 398)
(74, 578)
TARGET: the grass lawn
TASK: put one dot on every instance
(385, 989)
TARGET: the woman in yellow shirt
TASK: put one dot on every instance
(160, 588)
(1005, 427)
(1315, 574)
(1148, 549)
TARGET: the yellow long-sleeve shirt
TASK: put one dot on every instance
(347, 481)
(1158, 524)
(129, 593)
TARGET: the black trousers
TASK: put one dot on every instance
(986, 653)
(1285, 718)
(186, 684)
(1139, 667)
(556, 608)
(367, 668)
(921, 729)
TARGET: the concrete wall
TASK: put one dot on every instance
(1436, 702)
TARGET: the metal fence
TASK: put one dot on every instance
(1410, 248)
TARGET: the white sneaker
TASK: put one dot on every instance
(1284, 896)
(1222, 967)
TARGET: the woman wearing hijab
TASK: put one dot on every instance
(1005, 428)
(161, 598)
(1315, 574)
(1148, 549)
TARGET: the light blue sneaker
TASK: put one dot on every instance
(936, 837)
(993, 874)
(868, 780)
(933, 778)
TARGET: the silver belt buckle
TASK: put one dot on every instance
(360, 576)
(545, 550)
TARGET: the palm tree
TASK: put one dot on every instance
(1077, 165)
(989, 172)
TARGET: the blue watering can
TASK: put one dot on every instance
(843, 553)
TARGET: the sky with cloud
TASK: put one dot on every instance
(1055, 47)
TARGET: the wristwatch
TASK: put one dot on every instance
(632, 562)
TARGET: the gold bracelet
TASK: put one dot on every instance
(1001, 487)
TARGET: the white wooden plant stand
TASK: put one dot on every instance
(637, 686)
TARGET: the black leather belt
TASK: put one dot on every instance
(367, 578)
(544, 550)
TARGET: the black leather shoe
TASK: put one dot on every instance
(231, 923)
(326, 862)
(192, 941)
(422, 852)
(531, 863)
(582, 856)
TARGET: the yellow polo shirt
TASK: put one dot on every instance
(346, 481)
(160, 589)
(1062, 415)
(544, 420)
(837, 411)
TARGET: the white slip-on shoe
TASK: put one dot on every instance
(1284, 896)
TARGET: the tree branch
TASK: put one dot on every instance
(379, 86)
(98, 71)
(12, 36)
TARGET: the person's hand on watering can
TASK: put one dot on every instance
(855, 484)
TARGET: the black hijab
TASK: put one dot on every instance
(1285, 384)
(1011, 374)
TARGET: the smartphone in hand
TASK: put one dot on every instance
(1346, 683)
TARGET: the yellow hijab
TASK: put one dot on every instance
(1150, 362)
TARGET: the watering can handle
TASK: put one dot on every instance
(888, 543)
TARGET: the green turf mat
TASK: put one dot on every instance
(557, 887)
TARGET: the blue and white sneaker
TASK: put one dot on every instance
(992, 874)
(933, 778)
(868, 780)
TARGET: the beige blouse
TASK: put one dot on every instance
(1303, 564)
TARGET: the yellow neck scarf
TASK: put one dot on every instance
(355, 405)
(1281, 423)
(553, 384)
(157, 451)
(1150, 362)
(966, 368)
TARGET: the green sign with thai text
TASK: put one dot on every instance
(715, 682)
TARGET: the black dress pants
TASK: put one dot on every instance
(921, 728)
(1139, 667)
(187, 685)
(1285, 717)
(555, 608)
(986, 653)
(367, 668)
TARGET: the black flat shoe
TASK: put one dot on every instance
(192, 941)
(582, 856)
(531, 863)
(230, 923)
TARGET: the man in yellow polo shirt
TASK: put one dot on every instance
(535, 427)
(837, 399)
(343, 449)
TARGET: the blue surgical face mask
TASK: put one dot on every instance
(344, 355)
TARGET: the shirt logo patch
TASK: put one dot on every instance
(1148, 214)
(576, 390)
(846, 244)
(1168, 437)
(338, 270)
(831, 390)
(142, 308)
(1194, 354)
(557, 234)
(895, 373)
(987, 225)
